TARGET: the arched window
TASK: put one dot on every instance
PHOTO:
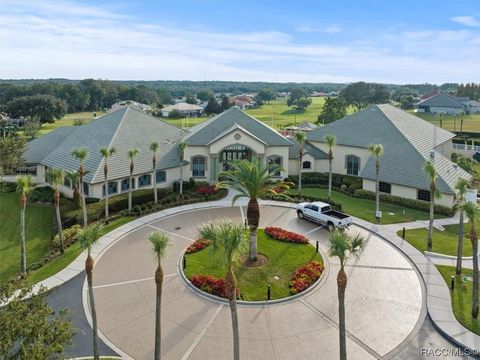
(306, 165)
(198, 165)
(161, 176)
(112, 188)
(277, 160)
(144, 180)
(352, 163)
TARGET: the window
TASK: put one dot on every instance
(275, 160)
(112, 188)
(86, 189)
(199, 166)
(125, 186)
(144, 180)
(306, 165)
(66, 183)
(352, 164)
(423, 195)
(160, 176)
(384, 187)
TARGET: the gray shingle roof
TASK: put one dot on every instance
(205, 132)
(441, 100)
(38, 149)
(123, 129)
(307, 149)
(407, 140)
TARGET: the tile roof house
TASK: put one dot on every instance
(186, 109)
(447, 104)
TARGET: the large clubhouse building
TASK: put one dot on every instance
(212, 145)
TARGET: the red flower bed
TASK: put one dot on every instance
(211, 285)
(198, 245)
(305, 276)
(206, 190)
(284, 235)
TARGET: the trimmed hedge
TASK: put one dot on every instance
(351, 183)
(8, 187)
(410, 203)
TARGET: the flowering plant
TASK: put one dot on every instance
(305, 276)
(211, 285)
(284, 235)
(198, 245)
(206, 190)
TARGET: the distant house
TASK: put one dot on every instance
(243, 101)
(440, 103)
(188, 110)
(307, 126)
(123, 104)
(318, 94)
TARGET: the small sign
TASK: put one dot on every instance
(378, 214)
(276, 277)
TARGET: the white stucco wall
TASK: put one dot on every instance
(280, 151)
(339, 154)
(293, 165)
(445, 110)
(445, 149)
(245, 139)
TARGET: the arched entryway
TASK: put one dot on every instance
(233, 153)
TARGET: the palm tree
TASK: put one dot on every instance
(330, 140)
(81, 155)
(251, 180)
(56, 177)
(74, 178)
(154, 148)
(431, 172)
(181, 149)
(132, 154)
(344, 246)
(376, 150)
(24, 185)
(229, 240)
(300, 137)
(106, 153)
(87, 238)
(472, 211)
(159, 242)
(461, 187)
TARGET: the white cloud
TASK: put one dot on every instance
(467, 21)
(331, 29)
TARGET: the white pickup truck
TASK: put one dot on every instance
(323, 214)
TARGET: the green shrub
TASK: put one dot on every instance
(42, 194)
(91, 200)
(353, 187)
(69, 236)
(8, 187)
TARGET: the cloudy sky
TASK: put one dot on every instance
(394, 41)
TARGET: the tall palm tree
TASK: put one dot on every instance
(159, 242)
(251, 180)
(74, 178)
(154, 148)
(461, 188)
(431, 172)
(56, 177)
(24, 185)
(229, 240)
(181, 149)
(87, 238)
(106, 153)
(344, 246)
(132, 154)
(473, 212)
(376, 150)
(300, 137)
(330, 140)
(81, 155)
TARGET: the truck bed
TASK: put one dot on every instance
(336, 214)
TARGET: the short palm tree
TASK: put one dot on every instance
(56, 177)
(431, 172)
(106, 153)
(229, 241)
(24, 185)
(132, 154)
(330, 140)
(300, 137)
(473, 214)
(461, 188)
(344, 246)
(181, 149)
(251, 180)
(87, 238)
(376, 150)
(74, 178)
(81, 155)
(159, 242)
(154, 148)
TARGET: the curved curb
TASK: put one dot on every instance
(450, 257)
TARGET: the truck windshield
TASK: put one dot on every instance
(326, 208)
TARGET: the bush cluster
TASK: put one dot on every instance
(198, 245)
(69, 236)
(305, 276)
(7, 187)
(211, 285)
(206, 190)
(284, 235)
(42, 194)
(351, 183)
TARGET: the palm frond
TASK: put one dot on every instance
(80, 154)
(55, 176)
(132, 153)
(330, 140)
(154, 146)
(89, 235)
(160, 242)
(376, 150)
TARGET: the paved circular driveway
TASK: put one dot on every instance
(384, 304)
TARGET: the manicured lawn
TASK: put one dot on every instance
(461, 296)
(365, 208)
(444, 242)
(453, 123)
(69, 119)
(284, 259)
(39, 228)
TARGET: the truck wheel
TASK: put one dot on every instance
(300, 214)
(330, 226)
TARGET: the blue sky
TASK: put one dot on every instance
(300, 41)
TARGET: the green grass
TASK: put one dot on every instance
(461, 296)
(39, 228)
(365, 208)
(283, 259)
(71, 254)
(68, 120)
(471, 123)
(444, 242)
